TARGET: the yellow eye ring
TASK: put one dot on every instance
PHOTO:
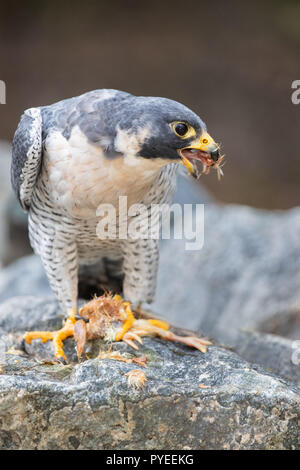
(182, 129)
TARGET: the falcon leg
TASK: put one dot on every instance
(59, 257)
(140, 271)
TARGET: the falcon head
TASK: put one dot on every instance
(165, 131)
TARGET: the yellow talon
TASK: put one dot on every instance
(56, 336)
(129, 319)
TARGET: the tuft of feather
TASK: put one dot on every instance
(136, 378)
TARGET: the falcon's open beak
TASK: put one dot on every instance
(203, 149)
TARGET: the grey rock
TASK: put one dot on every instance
(91, 406)
(246, 274)
(24, 277)
(275, 353)
(27, 312)
(285, 323)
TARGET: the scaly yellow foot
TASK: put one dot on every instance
(146, 315)
(129, 319)
(56, 336)
(159, 323)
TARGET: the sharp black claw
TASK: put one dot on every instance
(22, 345)
(62, 360)
(78, 317)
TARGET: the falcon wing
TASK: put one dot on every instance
(27, 155)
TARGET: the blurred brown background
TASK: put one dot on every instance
(232, 62)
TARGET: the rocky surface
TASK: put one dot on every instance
(92, 406)
(275, 353)
(24, 277)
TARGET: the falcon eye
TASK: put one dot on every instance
(181, 129)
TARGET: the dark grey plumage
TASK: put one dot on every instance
(27, 155)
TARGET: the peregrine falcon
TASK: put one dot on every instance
(72, 156)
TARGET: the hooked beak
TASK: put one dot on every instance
(203, 149)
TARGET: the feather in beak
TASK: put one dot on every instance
(204, 151)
